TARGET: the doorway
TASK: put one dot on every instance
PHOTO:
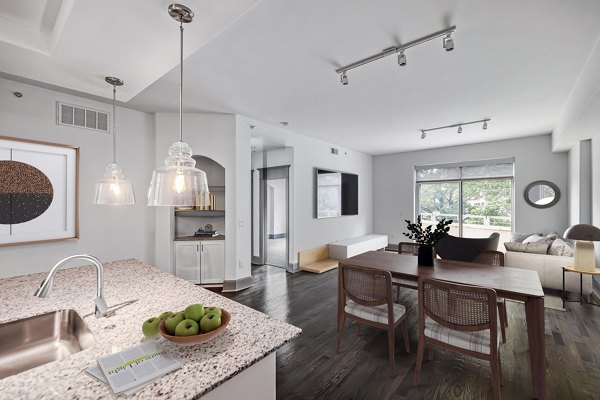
(270, 216)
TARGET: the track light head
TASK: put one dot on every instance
(423, 134)
(401, 58)
(460, 129)
(449, 43)
(344, 78)
(484, 127)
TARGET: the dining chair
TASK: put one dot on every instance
(496, 259)
(407, 248)
(459, 318)
(366, 297)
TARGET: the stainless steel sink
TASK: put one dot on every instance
(34, 341)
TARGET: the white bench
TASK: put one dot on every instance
(358, 245)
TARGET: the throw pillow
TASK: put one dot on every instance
(538, 239)
(519, 237)
(560, 248)
(536, 248)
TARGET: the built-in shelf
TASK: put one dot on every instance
(200, 213)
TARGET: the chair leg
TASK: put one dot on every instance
(391, 349)
(495, 366)
(405, 334)
(342, 321)
(500, 368)
(505, 314)
(420, 353)
(501, 314)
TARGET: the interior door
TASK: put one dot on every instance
(187, 261)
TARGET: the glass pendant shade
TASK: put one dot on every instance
(179, 183)
(113, 189)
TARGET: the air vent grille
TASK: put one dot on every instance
(81, 117)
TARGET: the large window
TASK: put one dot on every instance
(477, 196)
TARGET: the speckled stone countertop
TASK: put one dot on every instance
(135, 291)
(195, 238)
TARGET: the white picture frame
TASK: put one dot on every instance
(60, 164)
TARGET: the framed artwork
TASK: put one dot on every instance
(39, 191)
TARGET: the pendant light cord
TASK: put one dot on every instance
(181, 82)
(114, 121)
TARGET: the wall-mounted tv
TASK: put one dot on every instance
(336, 193)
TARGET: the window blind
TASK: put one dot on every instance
(500, 168)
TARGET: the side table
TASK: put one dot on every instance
(581, 272)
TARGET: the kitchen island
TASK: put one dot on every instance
(241, 360)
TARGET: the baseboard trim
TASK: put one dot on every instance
(293, 268)
(237, 285)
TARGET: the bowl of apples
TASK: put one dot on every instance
(196, 324)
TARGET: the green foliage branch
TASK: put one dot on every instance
(426, 236)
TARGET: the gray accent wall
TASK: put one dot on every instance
(394, 183)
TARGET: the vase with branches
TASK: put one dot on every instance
(427, 237)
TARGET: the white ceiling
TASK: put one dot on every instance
(75, 44)
(515, 61)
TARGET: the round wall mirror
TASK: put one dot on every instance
(542, 194)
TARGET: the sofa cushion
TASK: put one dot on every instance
(519, 237)
(536, 248)
(560, 248)
(539, 239)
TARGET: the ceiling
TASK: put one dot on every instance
(515, 62)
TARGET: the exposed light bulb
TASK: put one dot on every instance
(460, 129)
(484, 125)
(179, 182)
(115, 188)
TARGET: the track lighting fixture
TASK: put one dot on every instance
(458, 125)
(344, 79)
(448, 45)
(401, 58)
(449, 42)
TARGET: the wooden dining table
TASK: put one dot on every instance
(511, 283)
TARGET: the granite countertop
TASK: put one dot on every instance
(134, 292)
(196, 238)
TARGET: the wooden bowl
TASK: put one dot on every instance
(199, 338)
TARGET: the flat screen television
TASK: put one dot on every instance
(336, 193)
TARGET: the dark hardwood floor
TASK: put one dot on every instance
(309, 368)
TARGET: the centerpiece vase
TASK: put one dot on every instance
(425, 256)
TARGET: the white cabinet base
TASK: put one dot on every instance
(351, 247)
(256, 382)
(200, 261)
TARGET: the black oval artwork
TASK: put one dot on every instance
(25, 192)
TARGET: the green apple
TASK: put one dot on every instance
(150, 327)
(165, 315)
(210, 322)
(213, 310)
(195, 312)
(187, 327)
(172, 322)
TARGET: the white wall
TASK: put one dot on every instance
(213, 136)
(580, 183)
(394, 187)
(109, 233)
(306, 231)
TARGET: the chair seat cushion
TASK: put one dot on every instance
(377, 314)
(478, 341)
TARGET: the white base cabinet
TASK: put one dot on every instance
(200, 261)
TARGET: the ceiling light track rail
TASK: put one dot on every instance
(396, 49)
(458, 124)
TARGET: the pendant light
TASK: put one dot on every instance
(178, 182)
(113, 189)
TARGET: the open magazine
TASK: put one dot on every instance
(130, 370)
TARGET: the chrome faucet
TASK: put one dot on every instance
(99, 301)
